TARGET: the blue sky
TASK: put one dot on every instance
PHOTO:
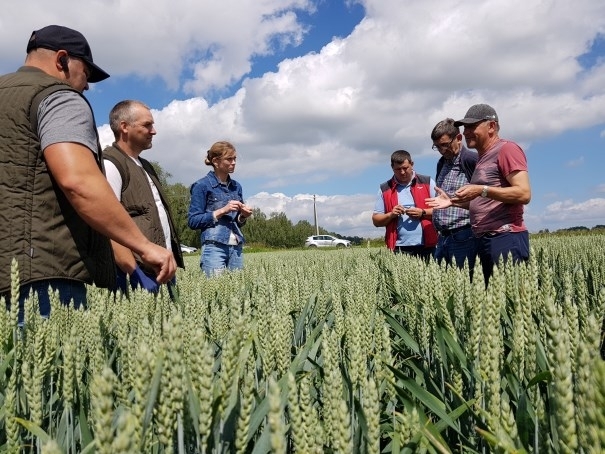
(315, 95)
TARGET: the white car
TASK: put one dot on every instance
(326, 241)
(187, 249)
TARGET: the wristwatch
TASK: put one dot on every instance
(484, 192)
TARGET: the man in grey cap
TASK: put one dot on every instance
(57, 211)
(498, 189)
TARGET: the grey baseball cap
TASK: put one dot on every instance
(477, 113)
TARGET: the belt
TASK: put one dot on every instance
(490, 234)
(418, 248)
(448, 232)
(218, 243)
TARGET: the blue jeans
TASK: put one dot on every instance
(492, 247)
(217, 257)
(457, 247)
(68, 290)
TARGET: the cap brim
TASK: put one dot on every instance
(467, 121)
(96, 73)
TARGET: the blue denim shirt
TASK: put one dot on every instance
(207, 195)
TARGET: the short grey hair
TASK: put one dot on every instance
(123, 111)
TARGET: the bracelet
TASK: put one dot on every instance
(423, 213)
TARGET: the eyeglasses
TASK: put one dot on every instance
(443, 146)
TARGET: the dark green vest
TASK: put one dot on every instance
(39, 227)
(138, 200)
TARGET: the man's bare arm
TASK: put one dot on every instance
(76, 172)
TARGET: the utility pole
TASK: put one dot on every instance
(315, 216)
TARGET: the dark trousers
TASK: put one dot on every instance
(70, 292)
(416, 251)
(493, 246)
(457, 247)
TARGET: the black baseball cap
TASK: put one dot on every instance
(56, 37)
(477, 113)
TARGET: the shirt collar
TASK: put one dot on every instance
(405, 185)
(216, 182)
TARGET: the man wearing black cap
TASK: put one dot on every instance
(57, 210)
(498, 189)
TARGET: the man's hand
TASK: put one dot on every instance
(76, 172)
(441, 201)
(398, 210)
(161, 260)
(415, 213)
(467, 193)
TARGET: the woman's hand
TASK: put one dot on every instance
(245, 211)
(232, 205)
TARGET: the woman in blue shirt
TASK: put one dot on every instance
(217, 209)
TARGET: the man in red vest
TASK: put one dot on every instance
(402, 209)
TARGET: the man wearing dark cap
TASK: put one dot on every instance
(57, 211)
(498, 189)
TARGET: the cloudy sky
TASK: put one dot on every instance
(316, 94)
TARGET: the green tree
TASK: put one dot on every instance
(178, 200)
(163, 176)
(255, 228)
(279, 231)
(274, 231)
(302, 230)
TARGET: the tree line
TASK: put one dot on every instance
(274, 230)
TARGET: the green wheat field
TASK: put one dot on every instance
(320, 351)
